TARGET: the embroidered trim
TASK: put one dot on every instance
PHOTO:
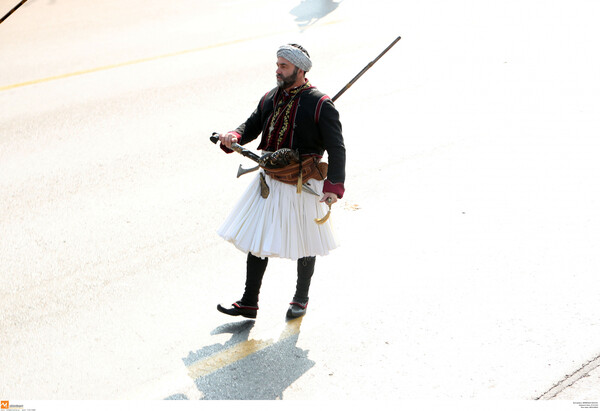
(280, 123)
(262, 101)
(318, 109)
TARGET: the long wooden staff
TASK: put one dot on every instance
(342, 91)
(363, 71)
(12, 11)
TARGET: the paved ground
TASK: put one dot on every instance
(469, 265)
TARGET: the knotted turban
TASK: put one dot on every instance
(295, 56)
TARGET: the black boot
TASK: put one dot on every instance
(306, 268)
(248, 305)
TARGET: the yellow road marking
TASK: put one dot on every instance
(226, 357)
(237, 352)
(123, 64)
(143, 60)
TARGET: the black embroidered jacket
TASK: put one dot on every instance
(306, 120)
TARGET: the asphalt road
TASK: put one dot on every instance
(470, 229)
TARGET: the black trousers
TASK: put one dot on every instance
(255, 270)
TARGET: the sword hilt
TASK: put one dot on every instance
(236, 147)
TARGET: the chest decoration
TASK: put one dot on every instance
(280, 124)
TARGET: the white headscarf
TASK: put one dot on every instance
(295, 56)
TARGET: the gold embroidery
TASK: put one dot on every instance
(284, 110)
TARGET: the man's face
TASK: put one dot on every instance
(287, 73)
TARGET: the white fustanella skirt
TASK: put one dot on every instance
(282, 225)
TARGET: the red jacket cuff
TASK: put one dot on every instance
(335, 188)
(228, 150)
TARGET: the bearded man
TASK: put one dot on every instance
(274, 218)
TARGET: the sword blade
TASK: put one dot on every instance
(309, 190)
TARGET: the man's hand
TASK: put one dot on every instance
(329, 198)
(228, 139)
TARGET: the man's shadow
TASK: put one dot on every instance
(243, 369)
(308, 12)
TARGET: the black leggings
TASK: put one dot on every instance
(255, 270)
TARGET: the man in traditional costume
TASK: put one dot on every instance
(274, 217)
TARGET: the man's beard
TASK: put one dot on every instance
(285, 82)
